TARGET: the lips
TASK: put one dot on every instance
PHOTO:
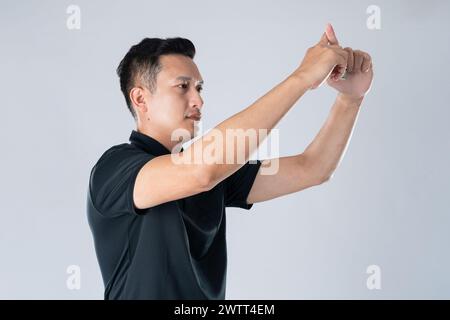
(195, 116)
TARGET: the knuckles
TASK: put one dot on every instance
(334, 52)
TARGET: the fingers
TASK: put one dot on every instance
(357, 60)
(339, 73)
(362, 61)
(350, 59)
(367, 61)
(331, 35)
(342, 58)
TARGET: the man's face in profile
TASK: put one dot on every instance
(177, 101)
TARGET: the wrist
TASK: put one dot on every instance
(350, 99)
(300, 80)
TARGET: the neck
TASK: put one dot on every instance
(161, 137)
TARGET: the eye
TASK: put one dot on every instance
(185, 86)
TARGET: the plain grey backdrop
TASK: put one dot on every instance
(387, 204)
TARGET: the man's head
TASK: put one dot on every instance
(162, 85)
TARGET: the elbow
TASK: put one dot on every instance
(324, 178)
(318, 172)
(205, 178)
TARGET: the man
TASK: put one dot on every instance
(157, 216)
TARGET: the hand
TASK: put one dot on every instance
(321, 60)
(359, 73)
(358, 77)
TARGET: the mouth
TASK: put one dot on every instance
(195, 116)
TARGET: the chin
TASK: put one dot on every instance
(186, 129)
(193, 127)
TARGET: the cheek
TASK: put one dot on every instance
(172, 108)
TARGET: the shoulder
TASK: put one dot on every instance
(118, 158)
(119, 150)
(112, 178)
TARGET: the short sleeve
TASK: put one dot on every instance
(112, 181)
(238, 185)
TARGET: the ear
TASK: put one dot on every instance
(137, 98)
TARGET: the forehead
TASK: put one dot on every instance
(176, 67)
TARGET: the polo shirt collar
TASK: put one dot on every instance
(148, 143)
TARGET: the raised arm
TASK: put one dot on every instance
(162, 179)
(322, 156)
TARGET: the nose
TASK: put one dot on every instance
(196, 101)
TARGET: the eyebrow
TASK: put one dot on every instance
(186, 78)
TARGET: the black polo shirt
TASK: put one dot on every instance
(175, 250)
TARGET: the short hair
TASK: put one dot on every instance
(142, 62)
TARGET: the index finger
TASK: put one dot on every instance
(331, 35)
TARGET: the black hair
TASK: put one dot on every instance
(142, 62)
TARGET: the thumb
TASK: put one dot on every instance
(324, 39)
(329, 31)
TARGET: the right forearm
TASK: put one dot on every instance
(268, 110)
(264, 113)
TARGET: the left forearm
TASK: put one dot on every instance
(328, 147)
